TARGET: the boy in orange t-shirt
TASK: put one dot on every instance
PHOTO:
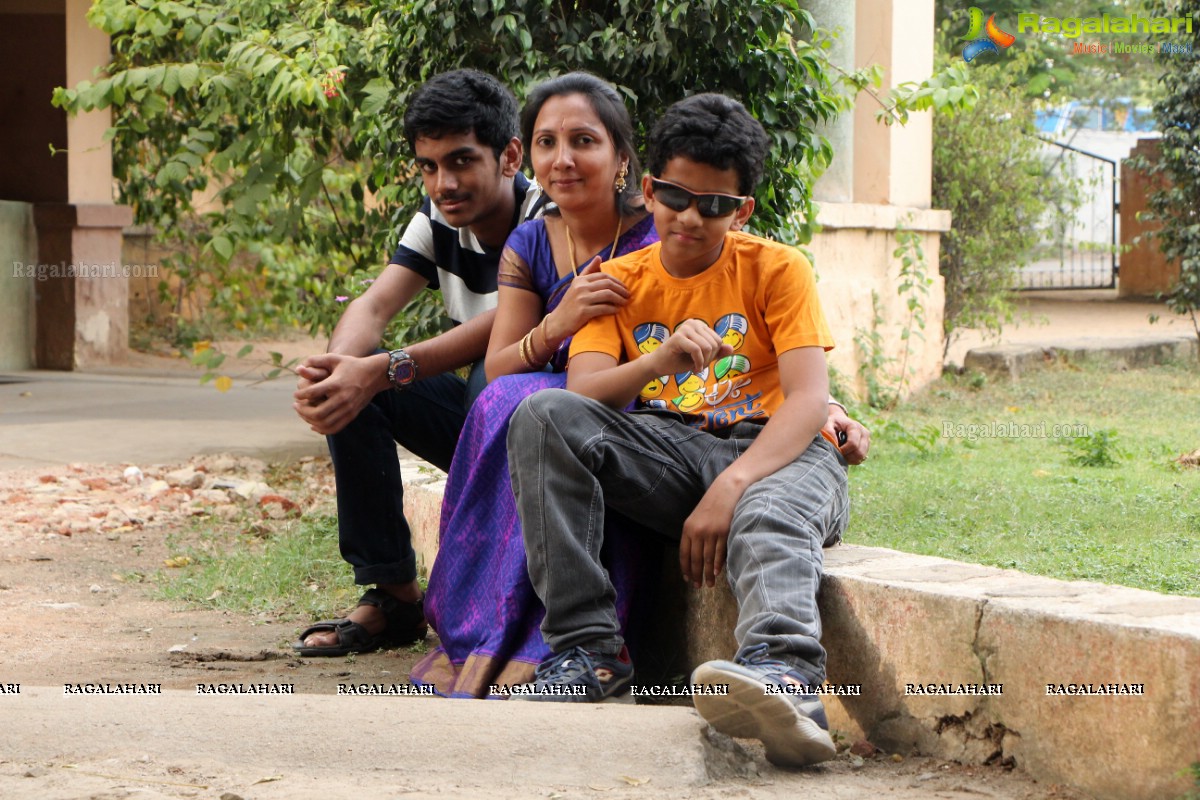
(721, 347)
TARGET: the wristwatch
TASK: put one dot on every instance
(402, 370)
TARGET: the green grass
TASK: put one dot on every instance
(287, 570)
(1047, 506)
(1033, 504)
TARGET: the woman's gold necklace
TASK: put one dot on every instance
(571, 245)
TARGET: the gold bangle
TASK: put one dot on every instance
(545, 336)
(533, 351)
(529, 353)
(536, 357)
(523, 349)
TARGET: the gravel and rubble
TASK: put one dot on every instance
(112, 499)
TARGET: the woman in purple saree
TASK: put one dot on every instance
(479, 599)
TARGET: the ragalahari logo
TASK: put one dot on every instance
(984, 38)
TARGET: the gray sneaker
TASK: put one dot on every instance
(768, 701)
(577, 675)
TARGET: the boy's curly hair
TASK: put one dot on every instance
(711, 129)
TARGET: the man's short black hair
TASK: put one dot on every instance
(711, 129)
(463, 101)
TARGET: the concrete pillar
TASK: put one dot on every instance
(83, 300)
(837, 184)
(893, 164)
(89, 165)
(79, 290)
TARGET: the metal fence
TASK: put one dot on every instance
(1078, 249)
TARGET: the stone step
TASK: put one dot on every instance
(1012, 360)
(892, 620)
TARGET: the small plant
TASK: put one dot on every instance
(1192, 772)
(886, 376)
(1097, 449)
(914, 288)
(873, 362)
(926, 440)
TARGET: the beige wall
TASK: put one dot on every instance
(854, 260)
(78, 314)
(893, 164)
(891, 176)
(89, 171)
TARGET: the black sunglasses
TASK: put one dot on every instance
(677, 198)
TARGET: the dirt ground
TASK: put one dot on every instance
(73, 541)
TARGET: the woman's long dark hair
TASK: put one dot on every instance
(612, 113)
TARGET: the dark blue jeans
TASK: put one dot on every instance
(426, 420)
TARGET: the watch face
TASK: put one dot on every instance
(401, 369)
(405, 373)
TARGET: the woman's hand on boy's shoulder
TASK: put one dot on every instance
(592, 294)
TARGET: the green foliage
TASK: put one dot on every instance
(927, 440)
(988, 172)
(1177, 171)
(1050, 72)
(266, 368)
(886, 377)
(273, 129)
(1097, 449)
(648, 50)
(948, 91)
(873, 363)
(1192, 772)
(914, 288)
(237, 130)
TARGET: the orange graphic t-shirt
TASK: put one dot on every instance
(759, 296)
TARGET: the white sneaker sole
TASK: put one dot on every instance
(747, 712)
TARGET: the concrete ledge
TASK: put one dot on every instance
(893, 619)
(1135, 351)
(834, 216)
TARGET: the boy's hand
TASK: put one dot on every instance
(307, 375)
(705, 533)
(592, 294)
(858, 438)
(332, 402)
(691, 348)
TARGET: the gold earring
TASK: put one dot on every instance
(620, 184)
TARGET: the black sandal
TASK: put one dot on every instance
(404, 624)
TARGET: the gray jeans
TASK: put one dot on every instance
(569, 456)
